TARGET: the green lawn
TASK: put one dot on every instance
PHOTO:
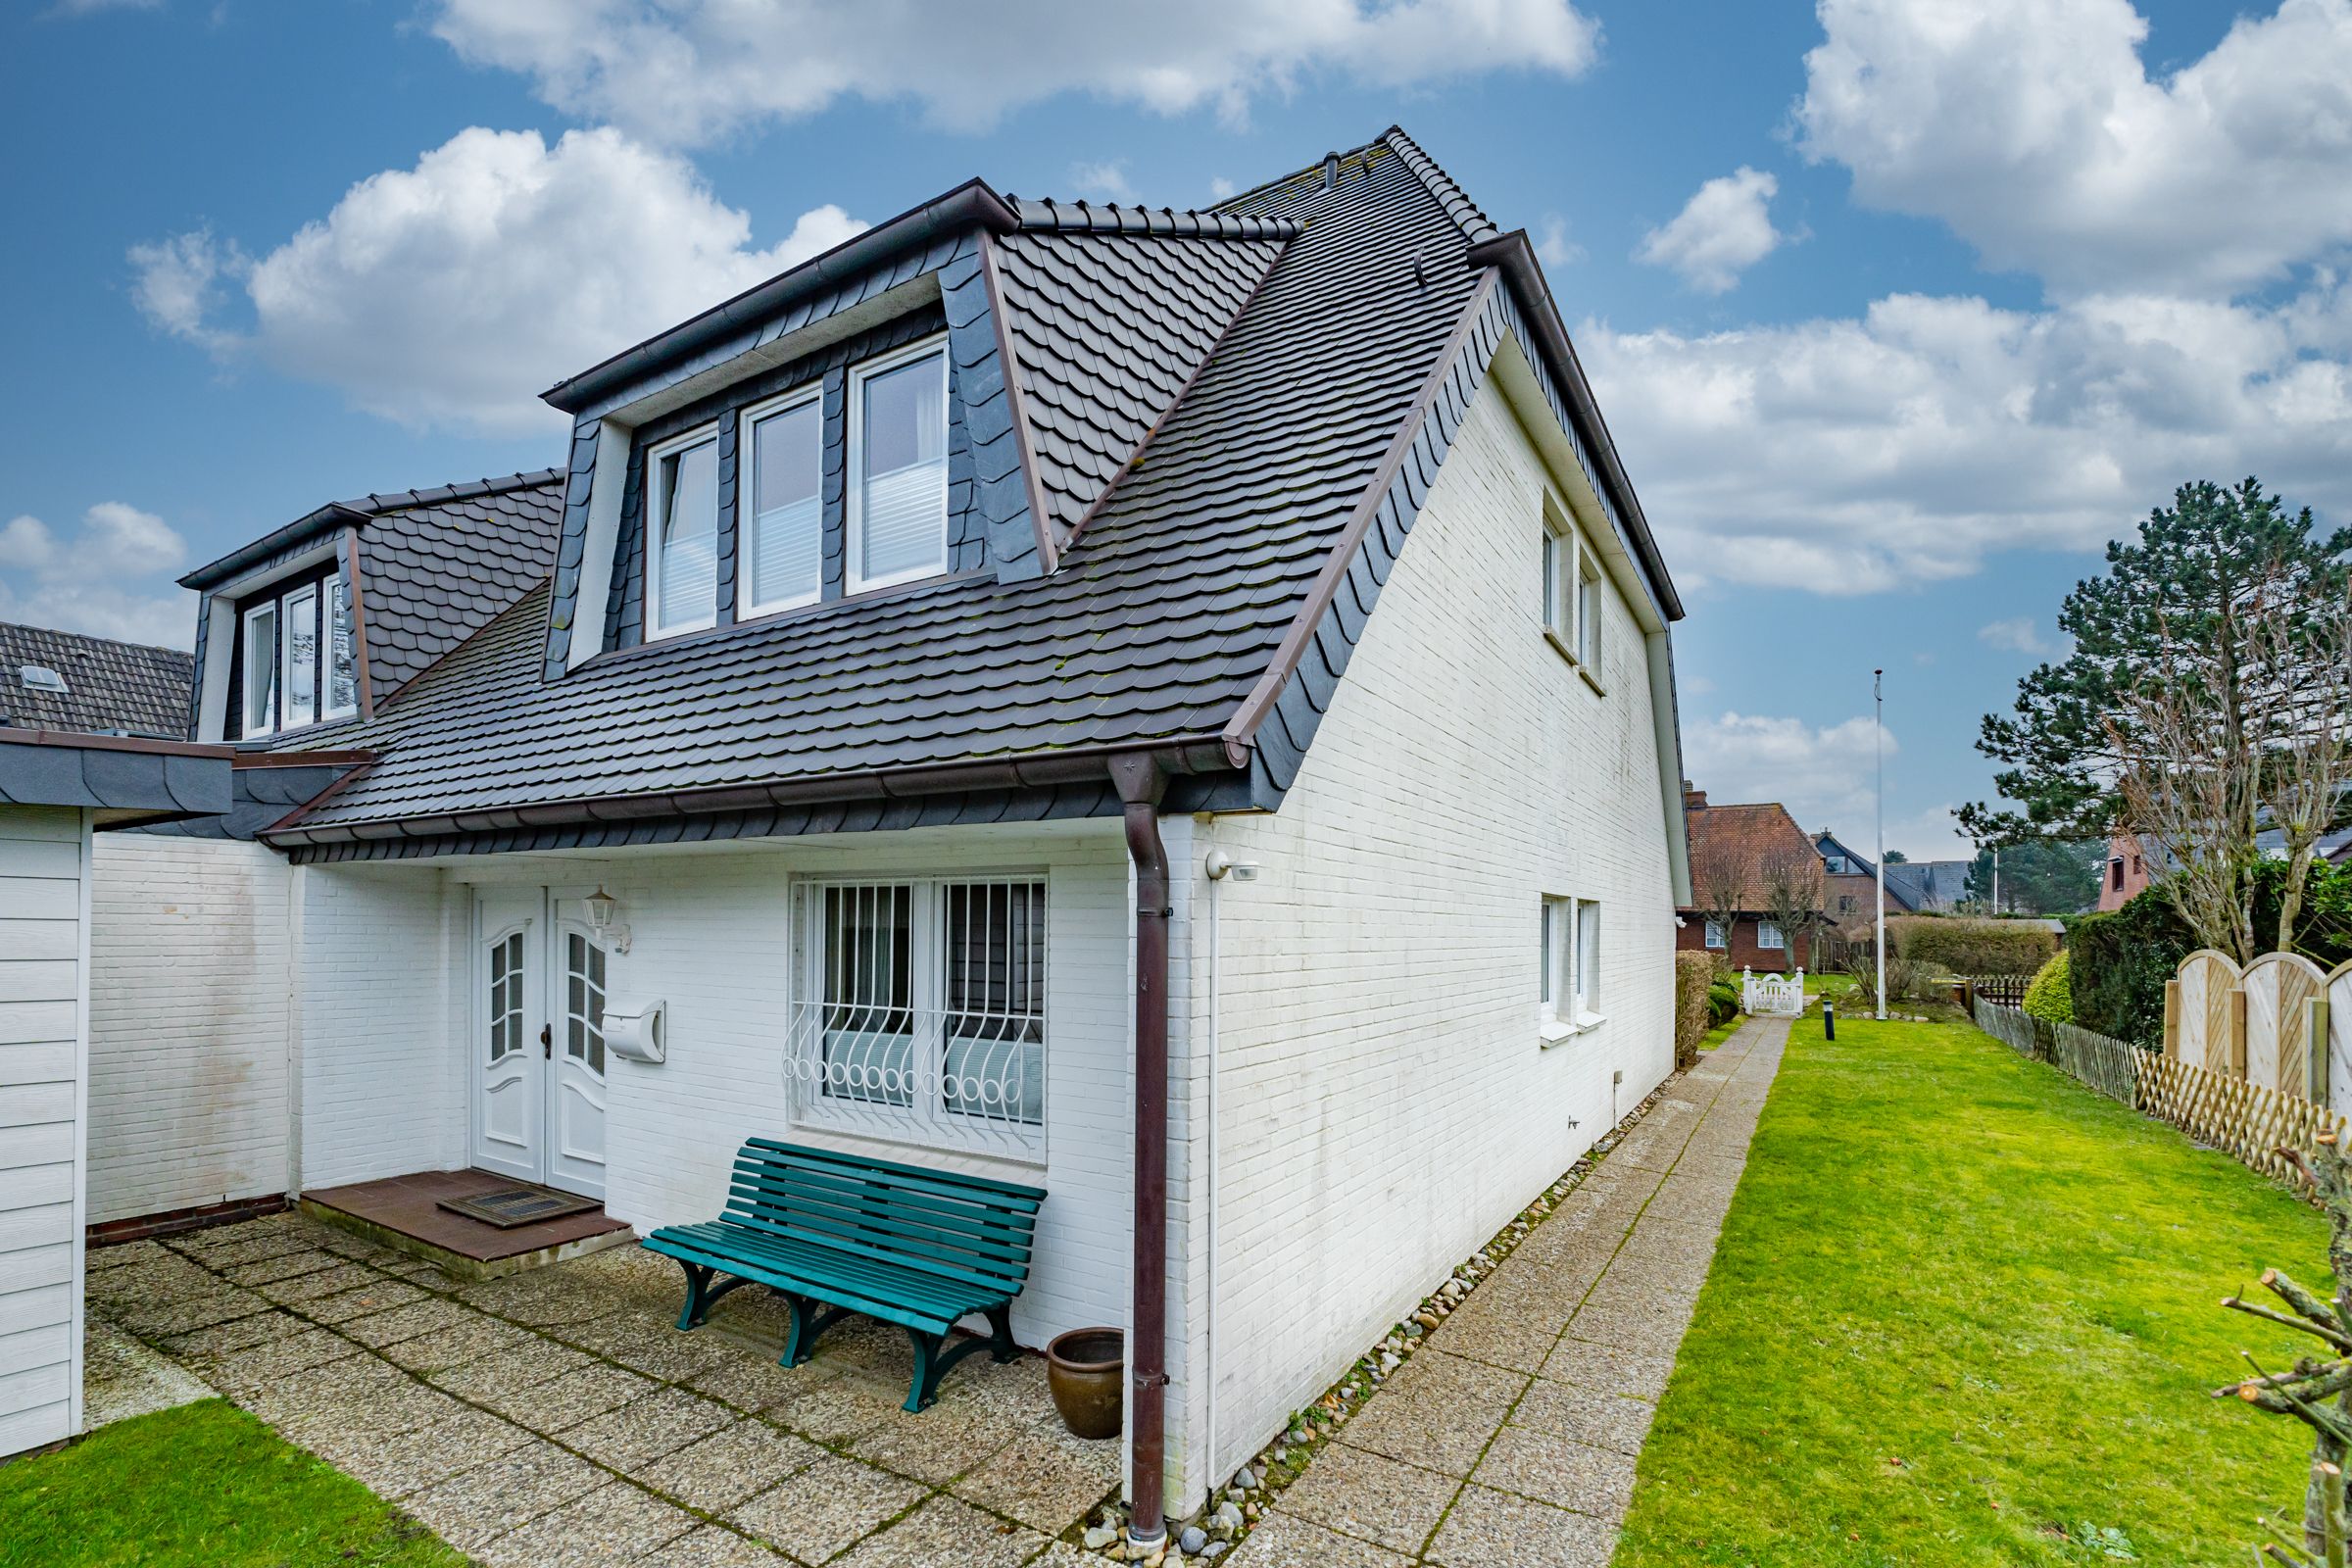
(1963, 1308)
(205, 1486)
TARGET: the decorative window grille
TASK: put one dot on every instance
(584, 1002)
(505, 996)
(922, 1016)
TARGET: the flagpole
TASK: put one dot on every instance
(1878, 763)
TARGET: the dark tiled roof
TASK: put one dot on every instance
(1927, 884)
(110, 686)
(1174, 617)
(438, 566)
(1106, 329)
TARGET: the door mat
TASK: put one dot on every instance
(510, 1207)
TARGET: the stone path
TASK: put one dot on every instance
(1510, 1438)
(557, 1419)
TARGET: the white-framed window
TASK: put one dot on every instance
(1558, 560)
(260, 705)
(1768, 936)
(1586, 968)
(1715, 936)
(898, 466)
(1555, 1009)
(681, 534)
(1588, 611)
(922, 1009)
(780, 507)
(297, 653)
(1569, 991)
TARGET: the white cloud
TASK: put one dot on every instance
(1820, 774)
(1220, 188)
(2033, 130)
(1723, 230)
(452, 293)
(1851, 455)
(1104, 179)
(1552, 244)
(85, 8)
(112, 577)
(687, 72)
(2019, 635)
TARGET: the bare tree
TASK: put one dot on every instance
(2315, 1390)
(1792, 885)
(2219, 742)
(1719, 879)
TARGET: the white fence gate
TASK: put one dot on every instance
(1781, 994)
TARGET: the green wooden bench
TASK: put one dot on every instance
(898, 1243)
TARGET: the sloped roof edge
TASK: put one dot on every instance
(340, 513)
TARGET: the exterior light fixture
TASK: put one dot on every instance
(602, 907)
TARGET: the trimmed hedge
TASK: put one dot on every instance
(1972, 947)
(2050, 998)
(1694, 978)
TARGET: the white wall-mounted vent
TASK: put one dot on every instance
(40, 678)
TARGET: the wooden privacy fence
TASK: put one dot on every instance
(2281, 1022)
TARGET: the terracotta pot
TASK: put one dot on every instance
(1087, 1370)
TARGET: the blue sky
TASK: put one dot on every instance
(1899, 307)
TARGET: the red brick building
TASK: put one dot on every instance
(1734, 847)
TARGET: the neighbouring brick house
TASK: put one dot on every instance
(1734, 846)
(1850, 884)
(1114, 653)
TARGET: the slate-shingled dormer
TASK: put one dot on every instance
(1062, 332)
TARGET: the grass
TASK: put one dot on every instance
(205, 1486)
(1964, 1311)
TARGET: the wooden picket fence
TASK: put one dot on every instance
(2107, 1064)
(2248, 1121)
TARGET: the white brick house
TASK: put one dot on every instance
(882, 631)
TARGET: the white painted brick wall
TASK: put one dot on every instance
(1383, 1102)
(711, 934)
(189, 981)
(381, 1059)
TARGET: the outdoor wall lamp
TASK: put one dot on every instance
(602, 907)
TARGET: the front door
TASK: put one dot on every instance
(538, 993)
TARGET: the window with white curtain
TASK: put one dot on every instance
(1588, 963)
(898, 502)
(1558, 563)
(1715, 936)
(780, 505)
(261, 669)
(681, 566)
(1768, 936)
(1556, 1010)
(300, 666)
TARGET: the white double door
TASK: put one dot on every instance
(538, 1072)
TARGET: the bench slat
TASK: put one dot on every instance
(1004, 1280)
(837, 1209)
(804, 1154)
(878, 1295)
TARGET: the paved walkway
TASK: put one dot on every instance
(557, 1419)
(1510, 1438)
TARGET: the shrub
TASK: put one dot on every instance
(2050, 998)
(1693, 979)
(2117, 963)
(1723, 1001)
(1972, 947)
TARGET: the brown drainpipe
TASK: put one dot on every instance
(1141, 784)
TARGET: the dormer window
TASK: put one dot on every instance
(898, 515)
(783, 503)
(296, 654)
(681, 568)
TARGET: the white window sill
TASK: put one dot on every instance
(1559, 645)
(1592, 680)
(1551, 1031)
